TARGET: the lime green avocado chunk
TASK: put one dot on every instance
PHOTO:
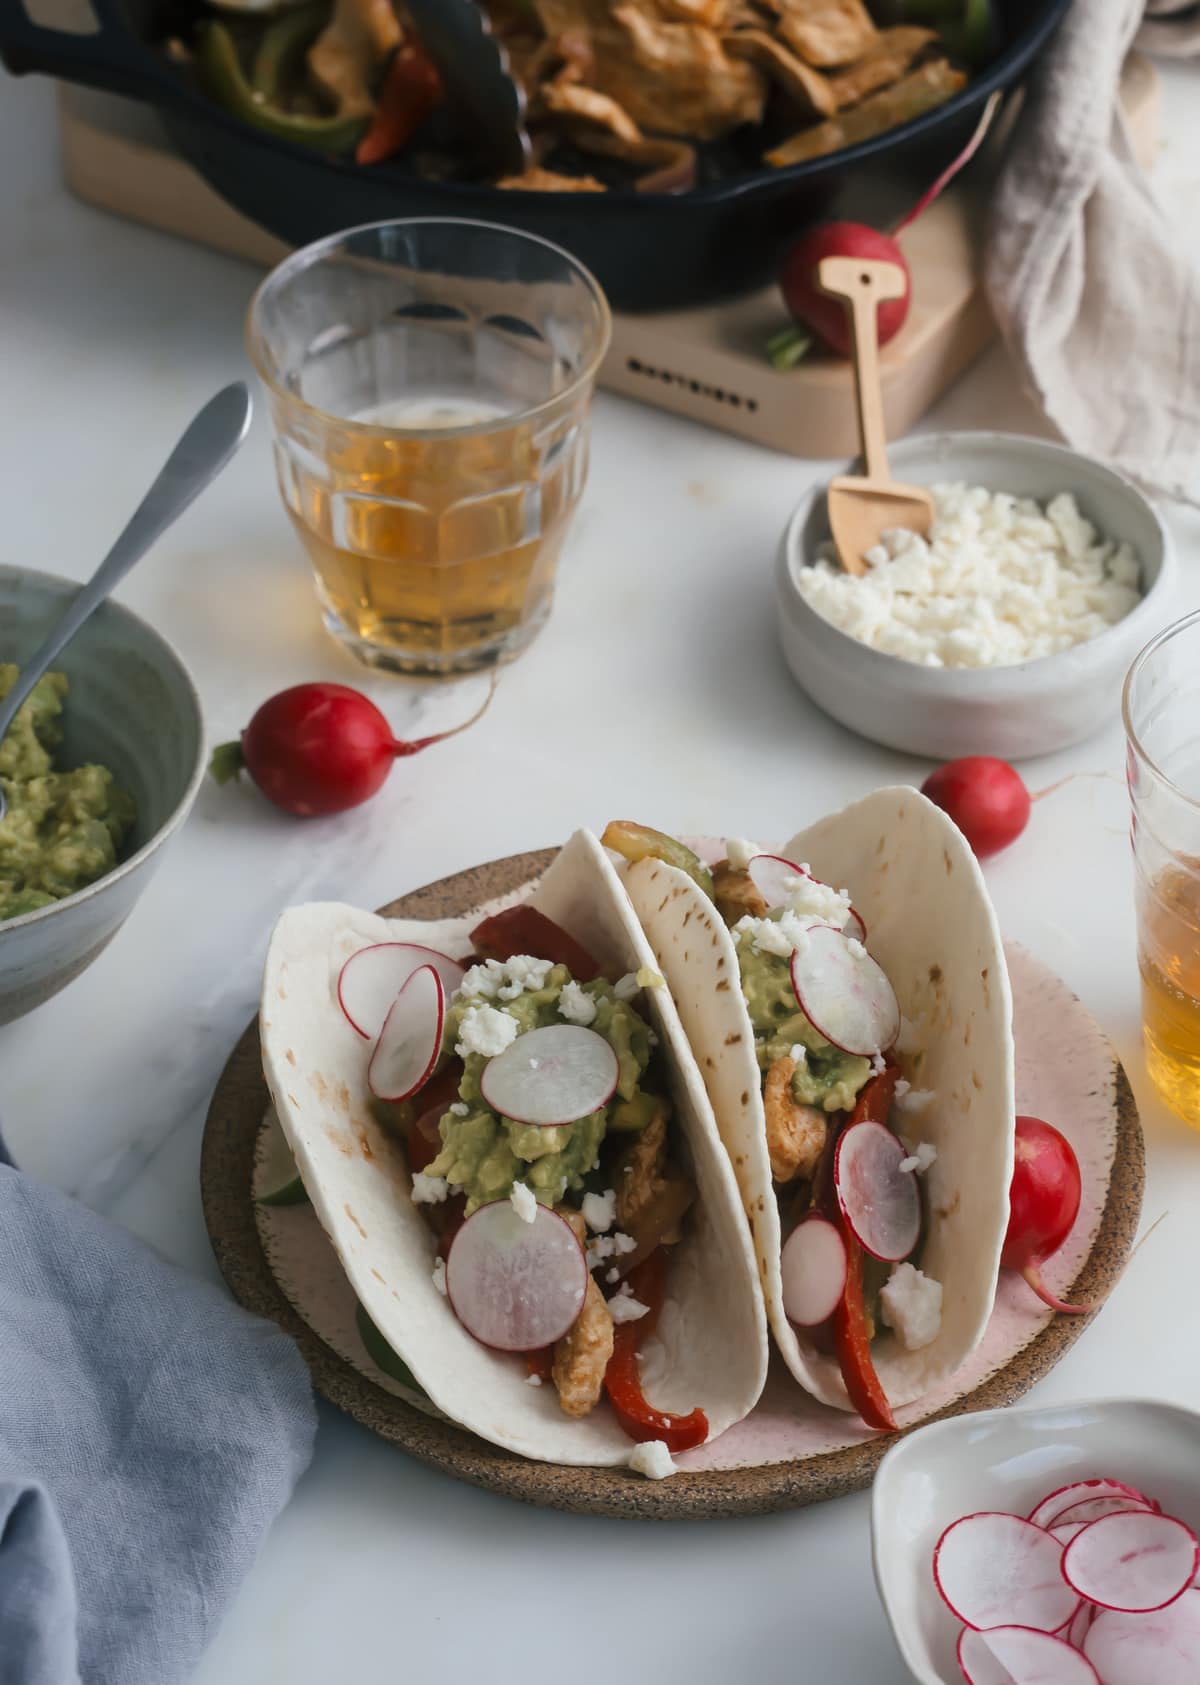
(483, 1153)
(826, 1077)
(62, 829)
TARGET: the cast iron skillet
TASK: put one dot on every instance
(649, 251)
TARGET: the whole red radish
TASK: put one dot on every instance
(814, 310)
(985, 797)
(1043, 1205)
(319, 748)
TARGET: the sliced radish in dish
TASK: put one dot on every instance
(1021, 1655)
(1053, 1504)
(1081, 1620)
(1162, 1648)
(411, 1038)
(813, 1264)
(856, 926)
(881, 1202)
(845, 995)
(1091, 1509)
(516, 1286)
(998, 1570)
(1134, 1561)
(371, 979)
(551, 1076)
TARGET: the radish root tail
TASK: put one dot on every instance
(1033, 1275)
(414, 748)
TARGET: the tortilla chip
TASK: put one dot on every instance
(826, 32)
(537, 180)
(932, 85)
(892, 55)
(808, 87)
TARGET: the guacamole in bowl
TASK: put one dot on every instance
(63, 827)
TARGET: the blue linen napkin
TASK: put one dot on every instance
(150, 1432)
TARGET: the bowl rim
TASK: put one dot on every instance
(983, 679)
(947, 1428)
(182, 807)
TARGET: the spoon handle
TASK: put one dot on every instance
(863, 283)
(206, 446)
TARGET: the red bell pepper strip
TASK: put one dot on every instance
(541, 1363)
(852, 1344)
(640, 1420)
(411, 88)
(523, 930)
(851, 1341)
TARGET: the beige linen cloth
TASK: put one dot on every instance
(1101, 312)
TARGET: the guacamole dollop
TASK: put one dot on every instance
(483, 1153)
(63, 828)
(827, 1077)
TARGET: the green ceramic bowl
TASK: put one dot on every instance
(132, 707)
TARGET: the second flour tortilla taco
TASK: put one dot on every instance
(501, 1127)
(848, 1003)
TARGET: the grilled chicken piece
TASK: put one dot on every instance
(795, 1133)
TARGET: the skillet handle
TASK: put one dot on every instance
(107, 57)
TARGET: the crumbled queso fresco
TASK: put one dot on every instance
(1000, 580)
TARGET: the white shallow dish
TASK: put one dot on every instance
(1007, 1460)
(1016, 712)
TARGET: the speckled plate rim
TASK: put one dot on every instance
(226, 1172)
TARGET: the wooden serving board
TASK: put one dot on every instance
(790, 1451)
(707, 364)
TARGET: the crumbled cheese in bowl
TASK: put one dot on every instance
(1000, 580)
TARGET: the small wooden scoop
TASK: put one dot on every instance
(862, 507)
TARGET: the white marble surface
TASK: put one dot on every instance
(657, 690)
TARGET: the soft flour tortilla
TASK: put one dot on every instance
(712, 1337)
(930, 925)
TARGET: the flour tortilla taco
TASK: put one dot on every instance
(849, 1007)
(502, 1129)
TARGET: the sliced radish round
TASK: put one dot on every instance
(844, 994)
(1065, 1531)
(1162, 1648)
(371, 979)
(998, 1570)
(1091, 1509)
(813, 1264)
(774, 877)
(1081, 1620)
(411, 1038)
(1133, 1561)
(1065, 1497)
(1021, 1655)
(551, 1076)
(881, 1202)
(516, 1286)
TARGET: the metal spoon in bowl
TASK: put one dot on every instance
(207, 445)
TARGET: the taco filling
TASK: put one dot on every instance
(841, 1123)
(543, 1153)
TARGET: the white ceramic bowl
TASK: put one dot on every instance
(1016, 712)
(1008, 1460)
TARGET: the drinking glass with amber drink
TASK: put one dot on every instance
(1162, 724)
(429, 385)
